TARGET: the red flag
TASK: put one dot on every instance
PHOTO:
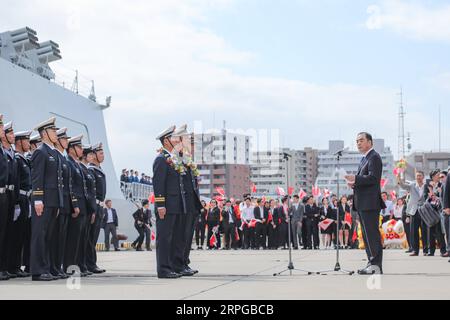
(325, 224)
(348, 219)
(254, 188)
(383, 183)
(280, 191)
(355, 236)
(316, 191)
(219, 198)
(213, 240)
(290, 190)
(220, 191)
(393, 195)
(151, 198)
(153, 236)
(302, 194)
(252, 223)
(326, 193)
(263, 200)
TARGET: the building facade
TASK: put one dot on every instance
(349, 162)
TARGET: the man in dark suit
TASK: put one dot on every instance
(229, 225)
(446, 205)
(368, 202)
(110, 223)
(170, 204)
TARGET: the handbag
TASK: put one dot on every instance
(429, 214)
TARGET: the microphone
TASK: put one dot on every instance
(341, 151)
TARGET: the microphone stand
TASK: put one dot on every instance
(290, 266)
(337, 267)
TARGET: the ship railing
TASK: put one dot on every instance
(136, 192)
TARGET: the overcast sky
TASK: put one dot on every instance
(316, 70)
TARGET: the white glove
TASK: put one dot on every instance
(16, 212)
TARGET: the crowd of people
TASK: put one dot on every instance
(132, 176)
(259, 223)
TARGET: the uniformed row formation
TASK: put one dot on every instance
(52, 190)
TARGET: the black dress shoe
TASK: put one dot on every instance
(171, 275)
(4, 276)
(116, 249)
(96, 271)
(21, 274)
(192, 270)
(55, 275)
(186, 273)
(42, 277)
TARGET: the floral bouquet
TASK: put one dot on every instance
(400, 167)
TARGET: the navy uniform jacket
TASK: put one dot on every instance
(13, 174)
(100, 182)
(166, 185)
(69, 199)
(24, 167)
(89, 178)
(193, 204)
(367, 189)
(79, 191)
(46, 177)
(3, 168)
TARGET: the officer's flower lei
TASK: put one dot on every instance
(190, 163)
(174, 162)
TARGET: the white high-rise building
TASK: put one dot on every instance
(349, 162)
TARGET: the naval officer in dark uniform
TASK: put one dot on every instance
(100, 187)
(47, 199)
(35, 142)
(21, 227)
(7, 260)
(170, 207)
(78, 217)
(91, 207)
(3, 200)
(60, 234)
(193, 204)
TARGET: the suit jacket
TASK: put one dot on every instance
(367, 189)
(415, 200)
(46, 177)
(213, 216)
(226, 216)
(143, 216)
(166, 185)
(446, 197)
(311, 211)
(105, 217)
(297, 214)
